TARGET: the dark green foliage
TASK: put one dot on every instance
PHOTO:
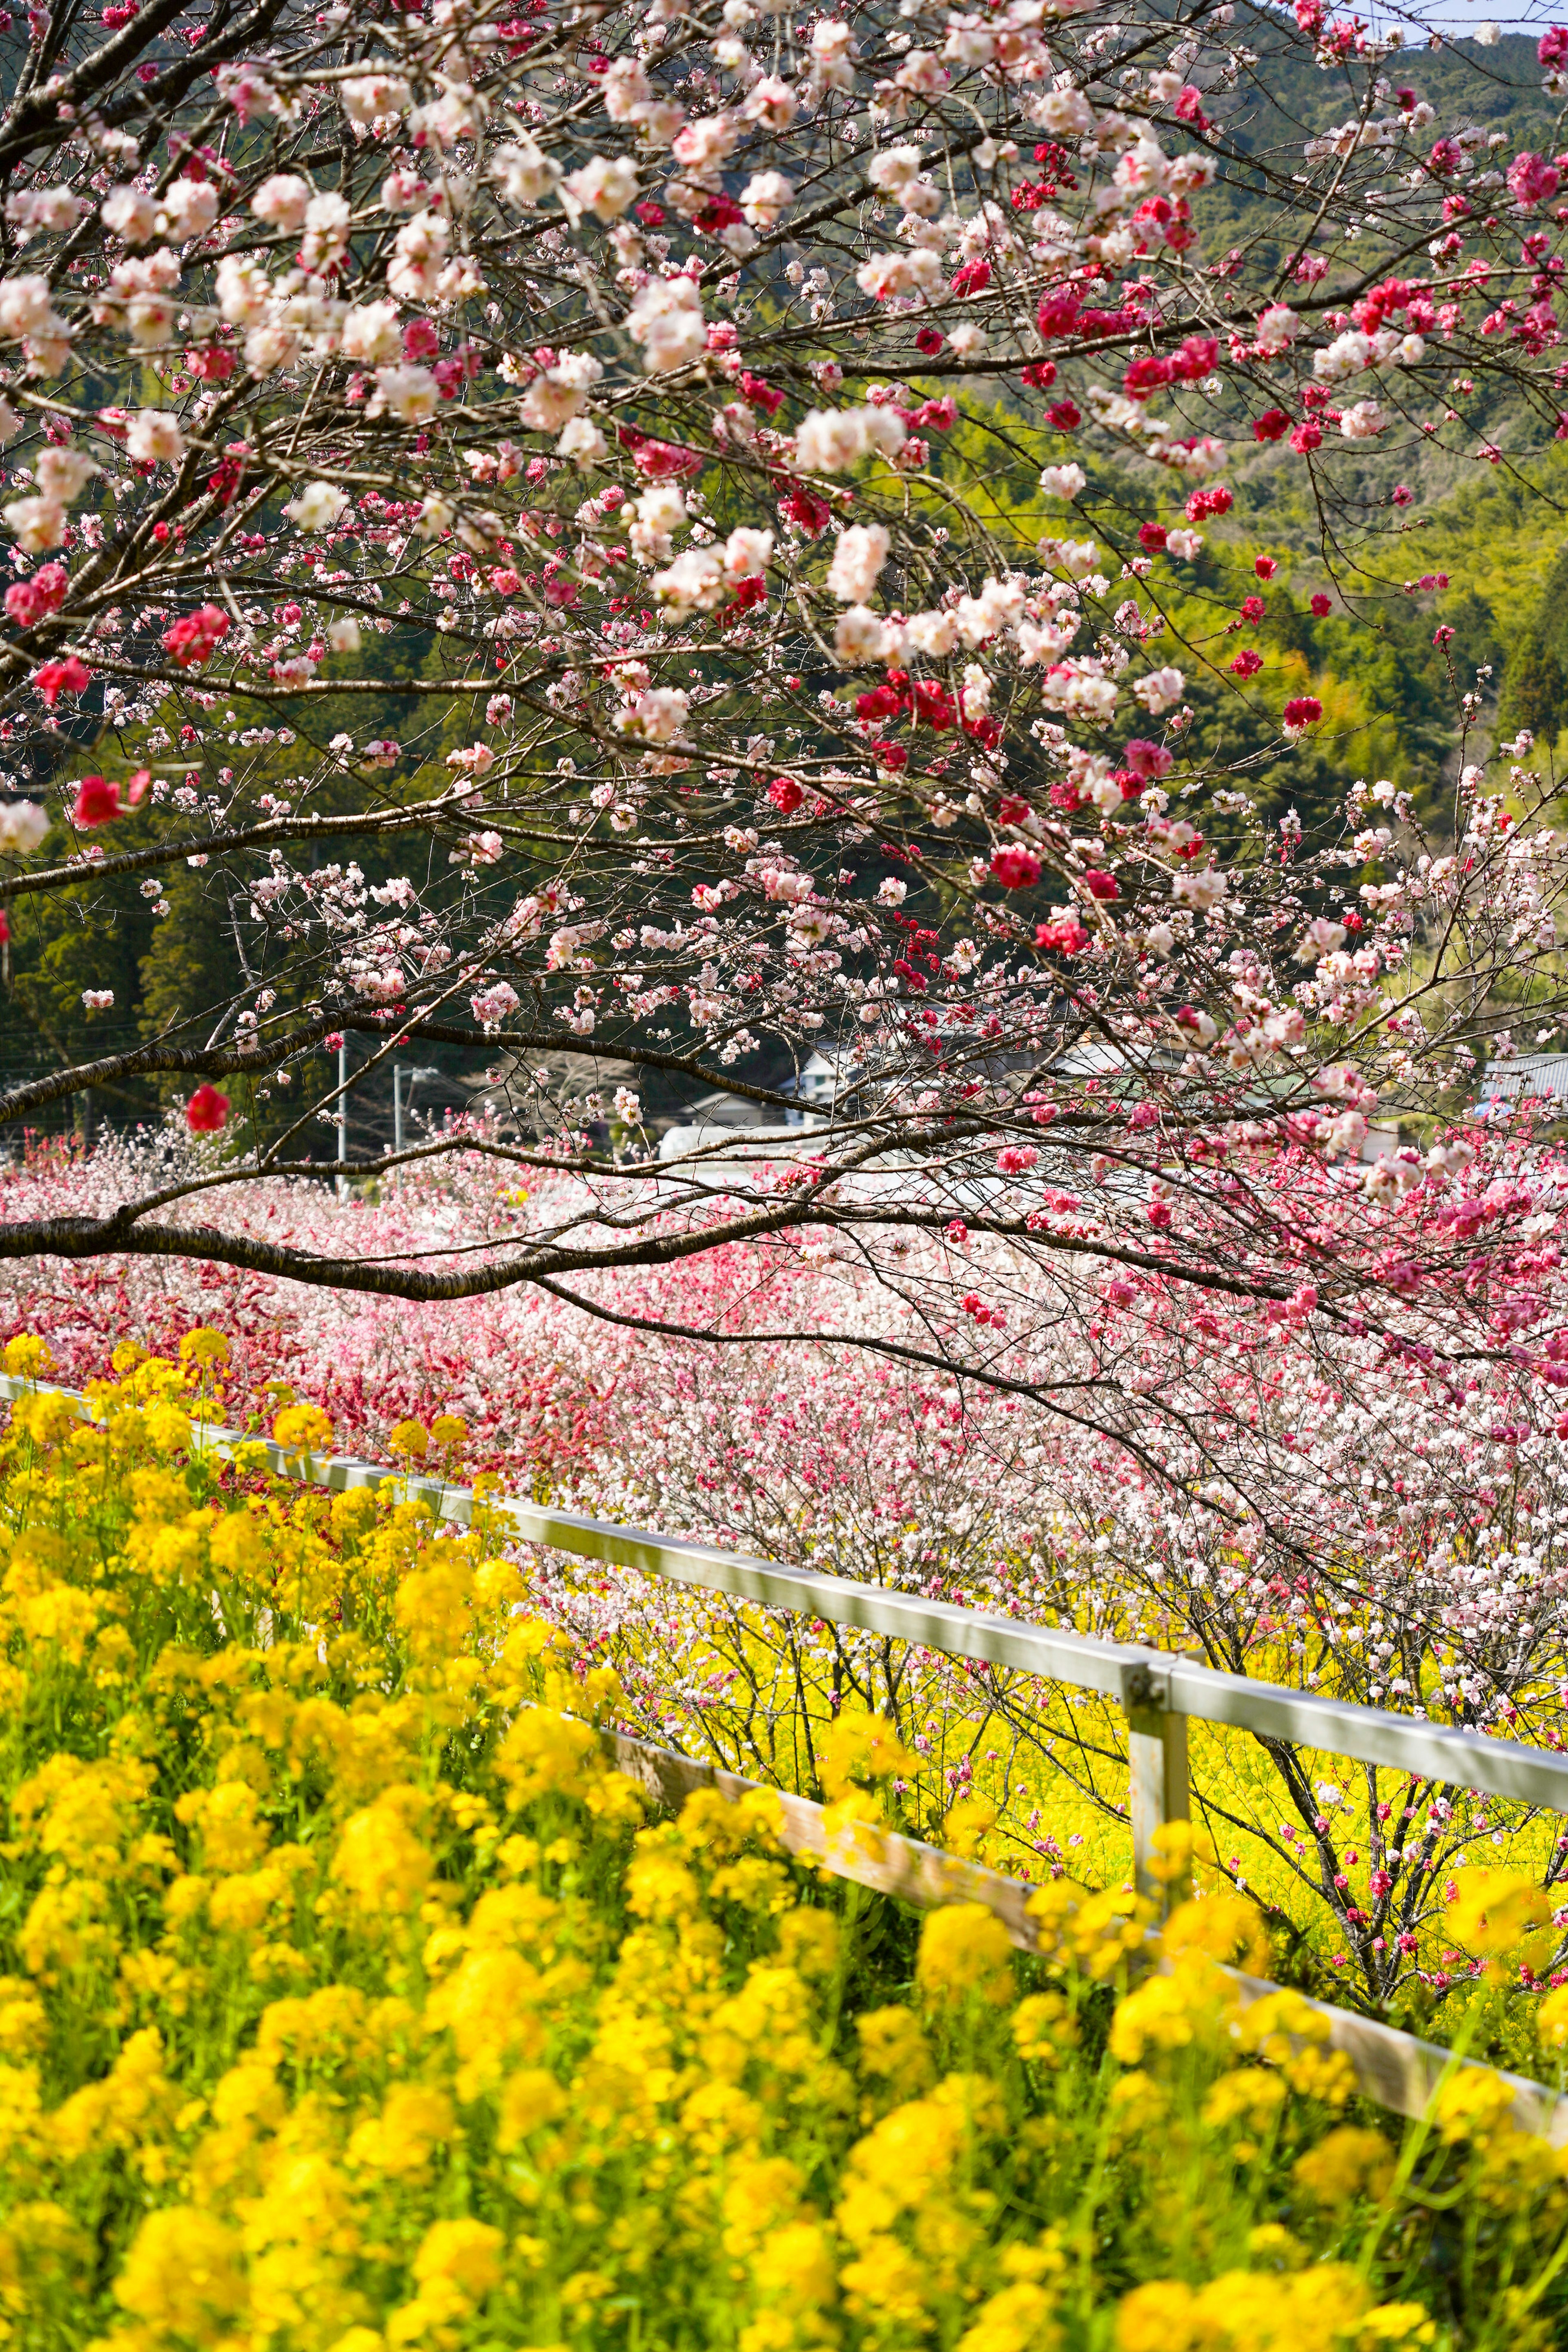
(1535, 682)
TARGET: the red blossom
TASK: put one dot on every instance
(889, 701)
(661, 461)
(1204, 503)
(1198, 357)
(27, 601)
(96, 802)
(1531, 180)
(195, 637)
(760, 394)
(803, 507)
(206, 1111)
(1015, 867)
(933, 705)
(1058, 311)
(1064, 937)
(1146, 375)
(720, 212)
(57, 677)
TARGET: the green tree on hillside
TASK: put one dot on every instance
(1535, 682)
(1535, 690)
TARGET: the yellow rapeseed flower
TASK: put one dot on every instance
(1346, 2163)
(1192, 2003)
(1494, 1910)
(857, 1748)
(415, 2120)
(965, 1950)
(1476, 2104)
(302, 1428)
(464, 2255)
(203, 1346)
(381, 1858)
(1317, 2310)
(182, 2275)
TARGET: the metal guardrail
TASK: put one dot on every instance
(1158, 1693)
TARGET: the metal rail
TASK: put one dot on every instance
(1158, 1692)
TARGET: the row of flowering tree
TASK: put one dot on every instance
(1413, 1555)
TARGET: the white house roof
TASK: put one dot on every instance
(1545, 1076)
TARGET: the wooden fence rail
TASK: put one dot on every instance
(1158, 1693)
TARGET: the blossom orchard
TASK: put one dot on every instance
(1407, 1550)
(607, 382)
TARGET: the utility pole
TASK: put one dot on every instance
(342, 1116)
(400, 1100)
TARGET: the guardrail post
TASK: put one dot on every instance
(1158, 1789)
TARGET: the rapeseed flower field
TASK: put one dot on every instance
(352, 2000)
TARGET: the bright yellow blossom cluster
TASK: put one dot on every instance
(351, 2000)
